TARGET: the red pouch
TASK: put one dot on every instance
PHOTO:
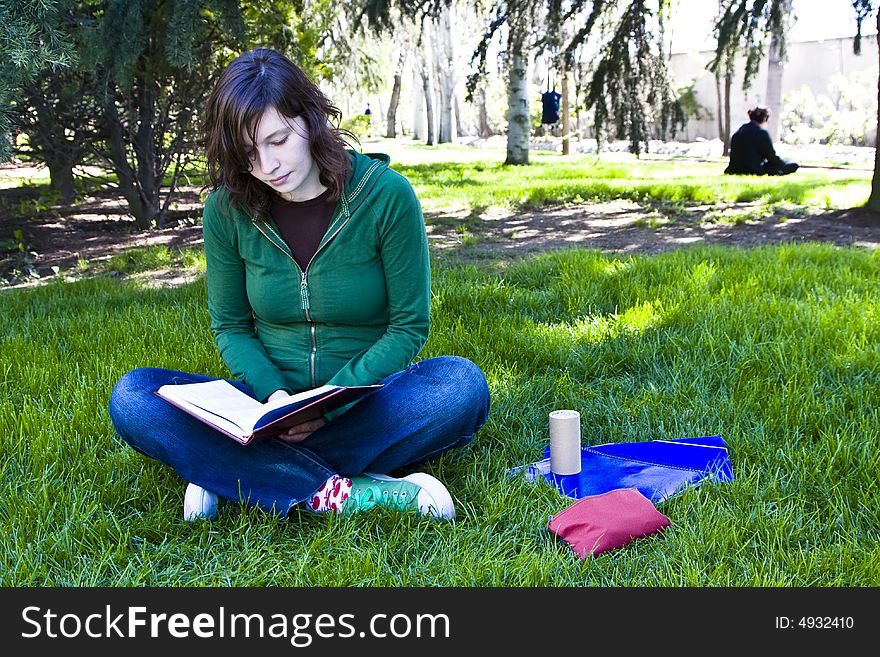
(599, 523)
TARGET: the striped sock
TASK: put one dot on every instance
(331, 495)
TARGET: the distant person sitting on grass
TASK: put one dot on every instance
(751, 149)
(317, 273)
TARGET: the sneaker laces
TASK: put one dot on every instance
(369, 496)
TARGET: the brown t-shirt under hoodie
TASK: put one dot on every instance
(303, 223)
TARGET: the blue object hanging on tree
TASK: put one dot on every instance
(550, 107)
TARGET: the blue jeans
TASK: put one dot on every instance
(430, 407)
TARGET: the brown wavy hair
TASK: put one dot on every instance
(253, 82)
(759, 114)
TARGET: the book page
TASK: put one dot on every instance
(219, 398)
(213, 420)
(292, 400)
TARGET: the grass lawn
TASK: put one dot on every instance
(775, 348)
(474, 179)
(464, 191)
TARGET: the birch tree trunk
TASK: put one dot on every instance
(427, 86)
(391, 117)
(775, 70)
(420, 128)
(445, 71)
(429, 106)
(518, 121)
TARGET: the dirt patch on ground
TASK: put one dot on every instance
(58, 238)
(44, 240)
(629, 227)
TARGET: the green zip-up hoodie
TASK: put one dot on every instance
(357, 313)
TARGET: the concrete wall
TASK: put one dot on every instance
(810, 63)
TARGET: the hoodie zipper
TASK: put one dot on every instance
(304, 294)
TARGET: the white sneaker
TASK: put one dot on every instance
(199, 503)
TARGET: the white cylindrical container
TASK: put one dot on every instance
(565, 442)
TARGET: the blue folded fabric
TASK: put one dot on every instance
(657, 468)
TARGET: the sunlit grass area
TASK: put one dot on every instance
(160, 258)
(777, 349)
(557, 179)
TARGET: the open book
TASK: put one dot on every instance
(227, 409)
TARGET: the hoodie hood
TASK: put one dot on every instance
(366, 169)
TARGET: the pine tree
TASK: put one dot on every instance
(58, 110)
(155, 61)
(630, 87)
(143, 69)
(31, 40)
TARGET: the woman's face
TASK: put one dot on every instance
(281, 158)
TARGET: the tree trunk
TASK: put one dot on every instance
(518, 119)
(775, 70)
(444, 113)
(427, 90)
(484, 130)
(61, 178)
(128, 181)
(874, 198)
(59, 154)
(445, 72)
(50, 141)
(720, 104)
(578, 97)
(391, 117)
(145, 153)
(566, 139)
(728, 83)
(723, 96)
(418, 105)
